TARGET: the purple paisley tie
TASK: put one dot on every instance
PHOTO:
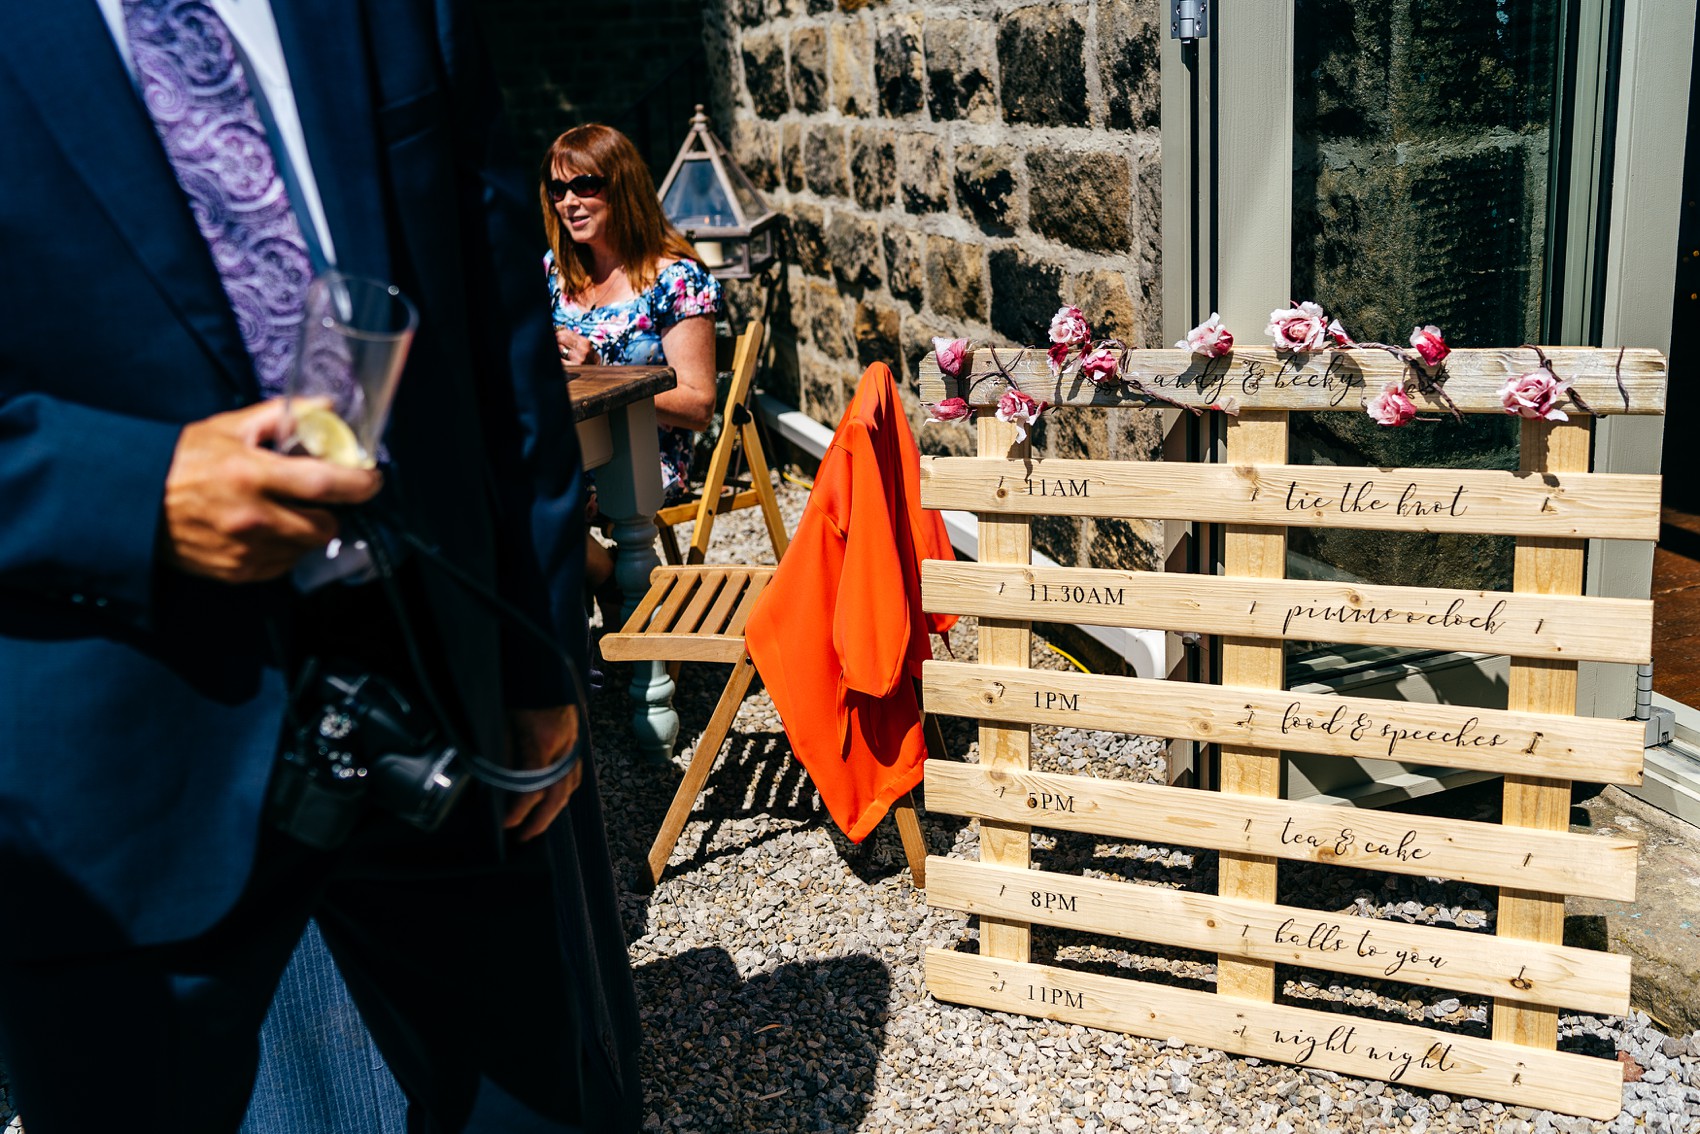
(198, 94)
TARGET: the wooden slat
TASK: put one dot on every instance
(1480, 963)
(1483, 853)
(1258, 437)
(1576, 628)
(1004, 540)
(747, 604)
(748, 498)
(711, 583)
(721, 612)
(683, 587)
(1574, 505)
(676, 513)
(1460, 1066)
(1546, 567)
(680, 513)
(661, 582)
(1259, 378)
(673, 647)
(1451, 736)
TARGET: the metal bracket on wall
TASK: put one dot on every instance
(1661, 728)
(1661, 723)
(1189, 20)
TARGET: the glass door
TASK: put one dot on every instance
(1461, 163)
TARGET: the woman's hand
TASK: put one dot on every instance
(575, 348)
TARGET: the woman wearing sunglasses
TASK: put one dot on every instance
(626, 286)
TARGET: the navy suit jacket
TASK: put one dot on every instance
(139, 707)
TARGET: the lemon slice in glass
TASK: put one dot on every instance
(326, 436)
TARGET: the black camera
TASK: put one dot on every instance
(355, 740)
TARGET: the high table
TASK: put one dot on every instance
(614, 408)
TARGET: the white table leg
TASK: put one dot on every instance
(629, 493)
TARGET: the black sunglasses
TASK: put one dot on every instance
(584, 186)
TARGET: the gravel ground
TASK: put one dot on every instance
(780, 972)
(779, 966)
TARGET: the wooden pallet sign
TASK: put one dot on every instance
(1552, 503)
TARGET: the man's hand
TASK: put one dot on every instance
(575, 348)
(240, 513)
(539, 738)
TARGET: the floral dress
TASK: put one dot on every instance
(628, 333)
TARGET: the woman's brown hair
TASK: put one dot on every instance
(642, 236)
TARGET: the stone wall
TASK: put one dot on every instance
(561, 63)
(954, 169)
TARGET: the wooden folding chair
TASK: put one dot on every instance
(721, 493)
(698, 613)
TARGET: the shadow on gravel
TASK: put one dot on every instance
(755, 774)
(795, 1049)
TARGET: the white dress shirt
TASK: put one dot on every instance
(250, 21)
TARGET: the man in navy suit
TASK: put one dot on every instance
(147, 625)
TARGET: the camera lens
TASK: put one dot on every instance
(418, 789)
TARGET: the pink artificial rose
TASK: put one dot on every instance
(1099, 366)
(1391, 406)
(1209, 339)
(1535, 395)
(949, 353)
(1068, 327)
(1339, 335)
(1431, 345)
(1020, 411)
(1302, 327)
(1056, 356)
(951, 409)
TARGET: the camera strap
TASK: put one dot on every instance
(519, 780)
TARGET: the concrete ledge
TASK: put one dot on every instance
(1660, 929)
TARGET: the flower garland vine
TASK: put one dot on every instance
(1301, 328)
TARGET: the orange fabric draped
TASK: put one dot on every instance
(839, 636)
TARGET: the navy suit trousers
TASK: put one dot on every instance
(458, 973)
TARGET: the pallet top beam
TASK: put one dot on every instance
(1261, 378)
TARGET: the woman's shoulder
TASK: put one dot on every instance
(684, 287)
(683, 268)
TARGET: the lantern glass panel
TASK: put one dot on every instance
(696, 199)
(748, 199)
